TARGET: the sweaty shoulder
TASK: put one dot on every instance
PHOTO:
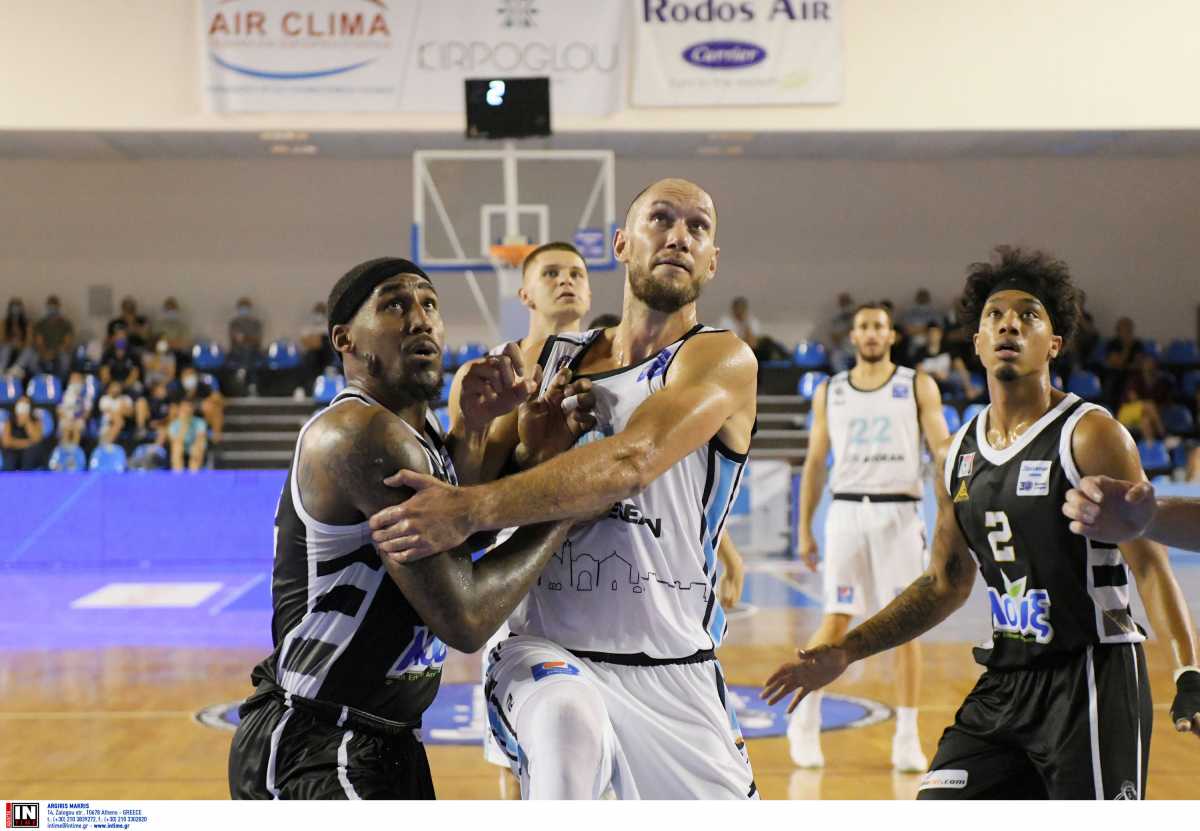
(715, 351)
(1101, 446)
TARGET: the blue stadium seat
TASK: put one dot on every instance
(326, 387)
(1182, 353)
(809, 382)
(108, 458)
(1178, 420)
(1150, 347)
(91, 387)
(10, 391)
(808, 419)
(953, 419)
(283, 354)
(68, 459)
(443, 417)
(1155, 458)
(1190, 384)
(1084, 384)
(810, 355)
(4, 416)
(81, 361)
(1056, 381)
(145, 451)
(470, 352)
(207, 356)
(44, 391)
(1099, 354)
(211, 380)
(970, 411)
(979, 381)
(47, 424)
(1179, 456)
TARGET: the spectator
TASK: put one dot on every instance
(53, 339)
(1086, 337)
(21, 438)
(1147, 389)
(160, 412)
(900, 346)
(134, 325)
(746, 326)
(73, 411)
(115, 408)
(245, 345)
(841, 355)
(1121, 355)
(607, 320)
(159, 365)
(16, 335)
(914, 323)
(950, 373)
(314, 343)
(203, 398)
(119, 364)
(188, 438)
(172, 327)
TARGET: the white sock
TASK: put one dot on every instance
(906, 721)
(808, 713)
(563, 730)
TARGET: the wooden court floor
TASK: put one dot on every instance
(119, 723)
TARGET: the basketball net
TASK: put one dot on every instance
(507, 258)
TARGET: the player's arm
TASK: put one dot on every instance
(462, 602)
(929, 413)
(712, 380)
(1103, 447)
(1116, 510)
(733, 573)
(930, 599)
(812, 481)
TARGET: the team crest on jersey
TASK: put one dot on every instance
(966, 463)
(424, 655)
(1034, 479)
(657, 367)
(1021, 614)
(900, 391)
(962, 495)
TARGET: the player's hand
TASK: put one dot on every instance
(436, 518)
(551, 423)
(813, 669)
(494, 385)
(808, 551)
(733, 578)
(1110, 510)
(1185, 710)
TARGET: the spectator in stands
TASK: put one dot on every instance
(914, 324)
(119, 364)
(116, 411)
(172, 328)
(1192, 474)
(73, 411)
(948, 371)
(746, 326)
(16, 335)
(318, 352)
(841, 355)
(203, 398)
(53, 339)
(245, 345)
(21, 438)
(188, 436)
(1084, 343)
(160, 412)
(159, 365)
(135, 326)
(605, 321)
(1147, 389)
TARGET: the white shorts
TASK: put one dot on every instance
(670, 732)
(873, 551)
(492, 752)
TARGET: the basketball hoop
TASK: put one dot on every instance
(511, 255)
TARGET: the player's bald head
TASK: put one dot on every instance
(672, 189)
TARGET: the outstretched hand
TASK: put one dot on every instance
(1110, 510)
(494, 385)
(551, 423)
(812, 669)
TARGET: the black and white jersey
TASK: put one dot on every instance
(1050, 592)
(343, 632)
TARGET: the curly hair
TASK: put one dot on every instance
(1049, 277)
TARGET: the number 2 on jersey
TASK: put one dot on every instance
(996, 539)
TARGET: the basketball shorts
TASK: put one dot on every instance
(873, 551)
(670, 729)
(283, 753)
(492, 752)
(1078, 730)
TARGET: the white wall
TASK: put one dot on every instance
(792, 233)
(909, 64)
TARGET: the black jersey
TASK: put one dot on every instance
(1051, 593)
(343, 632)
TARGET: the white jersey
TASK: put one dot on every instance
(875, 436)
(640, 581)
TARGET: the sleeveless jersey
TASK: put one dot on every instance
(1051, 593)
(342, 630)
(640, 581)
(875, 436)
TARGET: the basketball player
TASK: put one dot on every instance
(336, 712)
(610, 678)
(874, 415)
(1063, 708)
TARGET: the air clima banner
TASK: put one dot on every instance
(728, 53)
(408, 55)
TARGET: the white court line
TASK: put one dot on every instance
(237, 593)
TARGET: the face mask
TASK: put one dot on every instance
(163, 347)
(120, 343)
(75, 387)
(170, 314)
(15, 309)
(189, 383)
(51, 311)
(243, 311)
(22, 408)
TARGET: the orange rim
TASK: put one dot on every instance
(511, 255)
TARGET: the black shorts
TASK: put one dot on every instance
(284, 753)
(1078, 730)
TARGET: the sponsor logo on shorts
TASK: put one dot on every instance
(1128, 791)
(956, 779)
(1020, 614)
(845, 594)
(966, 463)
(1034, 479)
(548, 668)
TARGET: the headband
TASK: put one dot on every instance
(360, 289)
(1028, 285)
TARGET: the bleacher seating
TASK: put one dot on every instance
(809, 382)
(470, 352)
(953, 419)
(44, 390)
(1182, 354)
(1190, 384)
(283, 354)
(1085, 384)
(207, 356)
(47, 423)
(1155, 458)
(67, 459)
(108, 458)
(810, 355)
(970, 411)
(326, 387)
(211, 380)
(1178, 421)
(10, 391)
